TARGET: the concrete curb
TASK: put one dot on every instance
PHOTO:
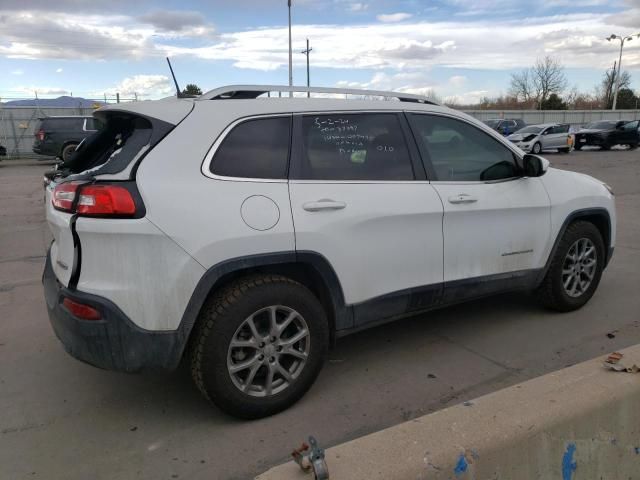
(580, 422)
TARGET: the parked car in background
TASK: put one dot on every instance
(3, 151)
(607, 133)
(59, 136)
(547, 136)
(506, 126)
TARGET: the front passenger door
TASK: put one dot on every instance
(496, 222)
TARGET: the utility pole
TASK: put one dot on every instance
(307, 52)
(622, 39)
(290, 51)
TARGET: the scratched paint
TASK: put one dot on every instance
(568, 465)
(461, 465)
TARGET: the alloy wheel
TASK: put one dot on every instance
(268, 351)
(579, 267)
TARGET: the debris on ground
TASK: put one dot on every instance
(612, 334)
(613, 362)
(310, 459)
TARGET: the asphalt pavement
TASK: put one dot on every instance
(61, 419)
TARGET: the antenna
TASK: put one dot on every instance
(178, 94)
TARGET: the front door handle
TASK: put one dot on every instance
(462, 198)
(324, 204)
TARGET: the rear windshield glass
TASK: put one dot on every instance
(531, 129)
(113, 147)
(601, 125)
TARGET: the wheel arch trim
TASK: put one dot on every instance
(583, 213)
(215, 276)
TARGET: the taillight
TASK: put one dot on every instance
(105, 200)
(40, 135)
(80, 310)
(90, 199)
(64, 195)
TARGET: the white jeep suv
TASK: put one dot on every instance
(244, 232)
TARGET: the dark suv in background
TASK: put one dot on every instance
(506, 126)
(59, 136)
(607, 133)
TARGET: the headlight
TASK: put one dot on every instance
(608, 187)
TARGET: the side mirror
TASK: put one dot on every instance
(534, 166)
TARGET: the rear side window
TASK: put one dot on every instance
(459, 151)
(60, 124)
(367, 146)
(257, 148)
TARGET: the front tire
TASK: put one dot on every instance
(537, 148)
(259, 346)
(575, 270)
(577, 147)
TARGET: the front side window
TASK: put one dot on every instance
(257, 148)
(631, 126)
(367, 146)
(459, 151)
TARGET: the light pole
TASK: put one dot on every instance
(622, 40)
(307, 52)
(290, 51)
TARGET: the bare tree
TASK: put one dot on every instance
(548, 78)
(607, 86)
(521, 86)
(540, 81)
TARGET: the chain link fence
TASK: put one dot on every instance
(17, 124)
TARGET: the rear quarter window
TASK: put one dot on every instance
(257, 148)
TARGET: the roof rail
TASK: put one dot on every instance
(231, 92)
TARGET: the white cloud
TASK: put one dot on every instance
(17, 72)
(357, 7)
(42, 90)
(58, 70)
(181, 22)
(578, 40)
(145, 86)
(458, 80)
(394, 17)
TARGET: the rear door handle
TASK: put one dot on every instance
(462, 198)
(324, 204)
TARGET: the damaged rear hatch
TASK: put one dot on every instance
(104, 164)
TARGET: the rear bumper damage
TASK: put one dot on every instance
(113, 342)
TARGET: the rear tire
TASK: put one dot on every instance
(236, 327)
(558, 291)
(67, 151)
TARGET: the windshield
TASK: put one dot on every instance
(492, 123)
(601, 125)
(531, 129)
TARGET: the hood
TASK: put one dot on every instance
(515, 136)
(592, 130)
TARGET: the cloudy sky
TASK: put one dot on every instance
(463, 49)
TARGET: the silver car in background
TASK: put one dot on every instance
(546, 136)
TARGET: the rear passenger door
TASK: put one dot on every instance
(360, 198)
(496, 222)
(630, 133)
